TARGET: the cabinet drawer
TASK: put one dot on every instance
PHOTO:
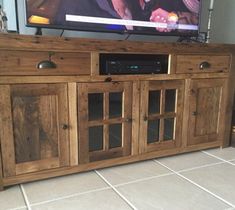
(26, 63)
(200, 64)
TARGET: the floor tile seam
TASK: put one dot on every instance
(116, 190)
(199, 186)
(219, 158)
(26, 199)
(143, 179)
(18, 208)
(69, 196)
(230, 208)
(198, 167)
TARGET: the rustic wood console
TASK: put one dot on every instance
(69, 118)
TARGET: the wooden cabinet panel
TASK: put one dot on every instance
(208, 63)
(37, 137)
(104, 115)
(205, 110)
(25, 63)
(161, 112)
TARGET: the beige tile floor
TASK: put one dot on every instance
(199, 180)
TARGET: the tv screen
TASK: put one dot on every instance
(160, 17)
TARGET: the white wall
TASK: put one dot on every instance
(223, 22)
(9, 9)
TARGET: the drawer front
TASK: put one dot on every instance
(200, 64)
(26, 63)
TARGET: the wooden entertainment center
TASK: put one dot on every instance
(59, 116)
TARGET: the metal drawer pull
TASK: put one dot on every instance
(46, 64)
(204, 65)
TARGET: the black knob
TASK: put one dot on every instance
(65, 126)
(145, 118)
(128, 120)
(108, 79)
(204, 65)
(195, 113)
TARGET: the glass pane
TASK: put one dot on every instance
(170, 100)
(95, 106)
(169, 129)
(95, 138)
(115, 135)
(115, 105)
(153, 131)
(154, 102)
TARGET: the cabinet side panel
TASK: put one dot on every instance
(1, 170)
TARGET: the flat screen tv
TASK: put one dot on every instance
(155, 17)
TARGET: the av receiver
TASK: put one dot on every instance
(133, 64)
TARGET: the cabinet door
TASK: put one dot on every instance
(161, 109)
(33, 127)
(205, 110)
(104, 113)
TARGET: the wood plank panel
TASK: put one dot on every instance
(40, 165)
(106, 117)
(48, 43)
(25, 63)
(62, 79)
(104, 155)
(83, 123)
(135, 118)
(95, 63)
(104, 163)
(205, 110)
(127, 114)
(63, 126)
(144, 103)
(1, 171)
(73, 123)
(191, 63)
(26, 128)
(6, 132)
(186, 113)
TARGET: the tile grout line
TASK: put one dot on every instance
(69, 196)
(199, 186)
(22, 207)
(115, 190)
(25, 197)
(166, 174)
(226, 161)
(143, 179)
(198, 167)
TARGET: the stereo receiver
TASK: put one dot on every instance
(133, 64)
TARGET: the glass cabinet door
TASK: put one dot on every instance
(160, 113)
(104, 113)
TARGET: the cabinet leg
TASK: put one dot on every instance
(1, 185)
(1, 188)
